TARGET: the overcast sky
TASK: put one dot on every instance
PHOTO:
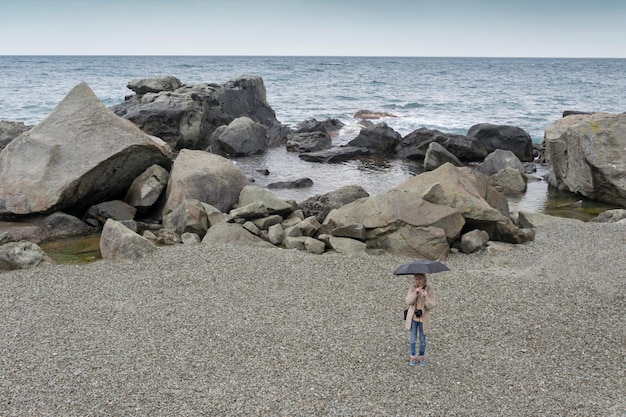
(500, 28)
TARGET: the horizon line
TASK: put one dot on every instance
(313, 56)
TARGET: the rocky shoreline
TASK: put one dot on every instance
(530, 329)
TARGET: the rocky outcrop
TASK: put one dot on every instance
(80, 155)
(469, 192)
(206, 177)
(586, 156)
(187, 116)
(401, 222)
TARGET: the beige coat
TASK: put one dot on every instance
(427, 302)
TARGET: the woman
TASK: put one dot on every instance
(420, 299)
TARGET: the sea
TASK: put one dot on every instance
(448, 94)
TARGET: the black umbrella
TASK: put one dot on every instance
(421, 266)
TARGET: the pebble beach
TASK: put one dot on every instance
(206, 330)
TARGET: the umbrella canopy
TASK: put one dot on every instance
(421, 266)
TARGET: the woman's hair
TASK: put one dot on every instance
(421, 276)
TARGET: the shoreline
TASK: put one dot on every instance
(222, 330)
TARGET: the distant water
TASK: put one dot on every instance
(449, 94)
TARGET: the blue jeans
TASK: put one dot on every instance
(417, 328)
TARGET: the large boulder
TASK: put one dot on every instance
(119, 243)
(415, 145)
(80, 155)
(400, 222)
(379, 139)
(395, 208)
(187, 116)
(588, 157)
(320, 205)
(500, 159)
(488, 138)
(469, 192)
(206, 177)
(242, 137)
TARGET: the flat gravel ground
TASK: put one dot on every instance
(519, 330)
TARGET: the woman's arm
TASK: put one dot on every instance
(429, 300)
(411, 296)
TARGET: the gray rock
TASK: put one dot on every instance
(588, 157)
(308, 142)
(314, 246)
(21, 255)
(167, 237)
(116, 210)
(528, 219)
(437, 155)
(253, 210)
(252, 193)
(468, 191)
(188, 116)
(509, 180)
(276, 234)
(118, 243)
(610, 216)
(265, 223)
(190, 238)
(335, 155)
(415, 145)
(232, 233)
(206, 177)
(329, 126)
(189, 217)
(379, 139)
(473, 241)
(299, 183)
(146, 189)
(491, 137)
(80, 155)
(10, 130)
(346, 245)
(500, 159)
(320, 205)
(154, 85)
(242, 137)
